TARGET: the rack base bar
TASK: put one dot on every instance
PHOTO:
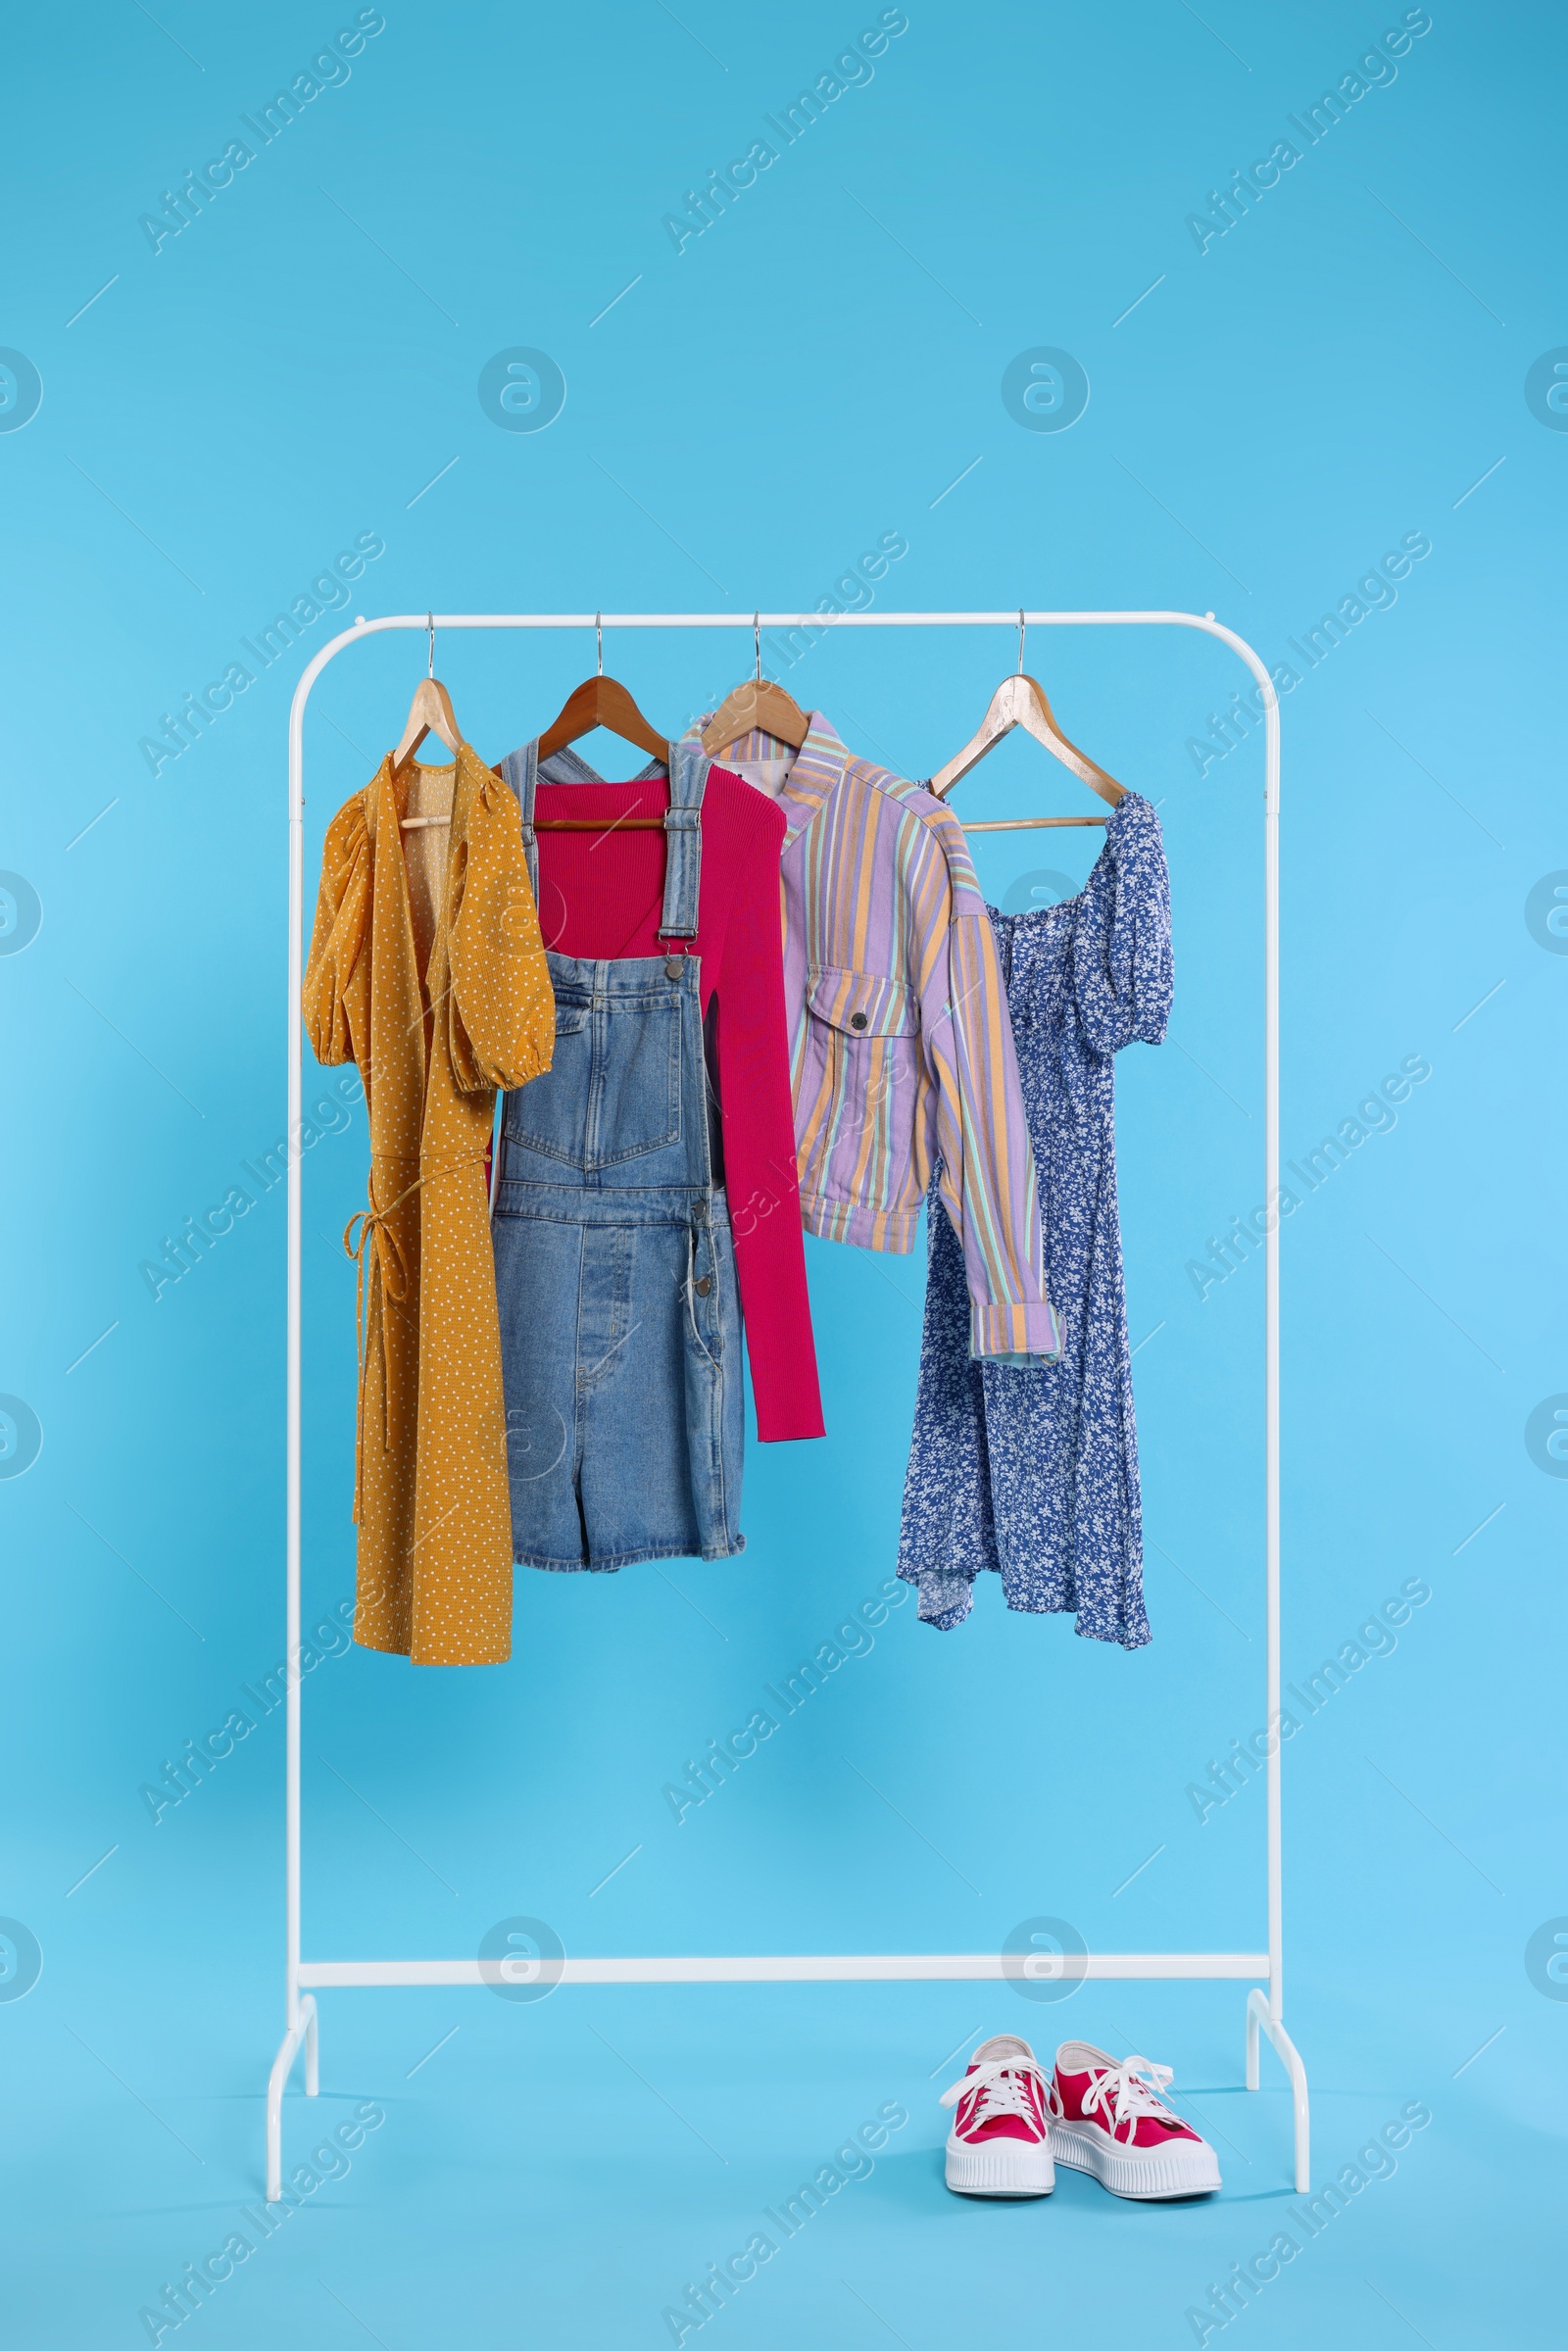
(1260, 2016)
(855, 1967)
(303, 2029)
(846, 1967)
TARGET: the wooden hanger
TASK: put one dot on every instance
(601, 700)
(1020, 701)
(758, 704)
(430, 713)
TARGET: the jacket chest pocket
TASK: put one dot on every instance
(861, 1067)
(611, 1090)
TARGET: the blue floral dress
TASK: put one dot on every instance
(1034, 1472)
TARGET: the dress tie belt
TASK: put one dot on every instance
(392, 1270)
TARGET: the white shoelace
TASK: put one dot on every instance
(1001, 2087)
(1126, 2093)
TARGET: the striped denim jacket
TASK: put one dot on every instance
(900, 1045)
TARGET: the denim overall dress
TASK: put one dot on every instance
(620, 1324)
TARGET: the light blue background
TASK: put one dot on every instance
(1343, 366)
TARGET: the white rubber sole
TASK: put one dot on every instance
(1185, 2169)
(1004, 2168)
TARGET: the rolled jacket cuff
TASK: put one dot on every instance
(1023, 1335)
(862, 1226)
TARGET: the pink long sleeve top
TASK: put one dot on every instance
(600, 895)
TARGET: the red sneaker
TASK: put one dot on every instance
(1114, 2124)
(1000, 2143)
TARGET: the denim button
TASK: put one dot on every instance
(857, 1020)
(702, 1285)
(673, 965)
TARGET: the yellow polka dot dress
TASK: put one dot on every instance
(426, 969)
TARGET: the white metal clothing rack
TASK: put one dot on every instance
(304, 1977)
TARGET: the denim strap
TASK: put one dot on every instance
(520, 769)
(683, 834)
(683, 840)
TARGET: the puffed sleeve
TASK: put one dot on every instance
(337, 971)
(499, 1009)
(1121, 951)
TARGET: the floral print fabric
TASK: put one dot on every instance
(1034, 1472)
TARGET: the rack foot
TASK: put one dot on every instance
(1260, 2017)
(303, 2029)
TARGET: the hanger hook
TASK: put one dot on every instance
(599, 635)
(429, 625)
(1020, 640)
(757, 643)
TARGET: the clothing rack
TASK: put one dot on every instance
(303, 1978)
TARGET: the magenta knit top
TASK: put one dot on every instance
(600, 895)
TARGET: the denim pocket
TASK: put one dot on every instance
(550, 1114)
(614, 1078)
(637, 1106)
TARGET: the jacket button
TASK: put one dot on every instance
(857, 1020)
(702, 1285)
